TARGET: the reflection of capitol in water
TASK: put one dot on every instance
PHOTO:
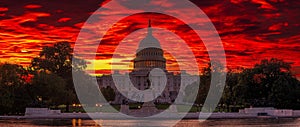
(149, 73)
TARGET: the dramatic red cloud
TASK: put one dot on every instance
(32, 6)
(2, 9)
(250, 30)
(124, 27)
(64, 19)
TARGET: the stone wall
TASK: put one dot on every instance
(41, 111)
(269, 110)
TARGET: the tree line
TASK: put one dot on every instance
(269, 83)
(46, 82)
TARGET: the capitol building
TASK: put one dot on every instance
(149, 72)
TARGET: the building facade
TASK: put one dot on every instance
(149, 72)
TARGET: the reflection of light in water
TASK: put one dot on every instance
(150, 123)
(78, 122)
(282, 122)
(74, 122)
(98, 123)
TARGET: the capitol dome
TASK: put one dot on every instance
(149, 54)
(149, 41)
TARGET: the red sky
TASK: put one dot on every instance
(251, 30)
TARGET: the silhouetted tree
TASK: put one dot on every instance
(108, 93)
(13, 89)
(57, 59)
(228, 97)
(269, 83)
(213, 67)
(50, 89)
